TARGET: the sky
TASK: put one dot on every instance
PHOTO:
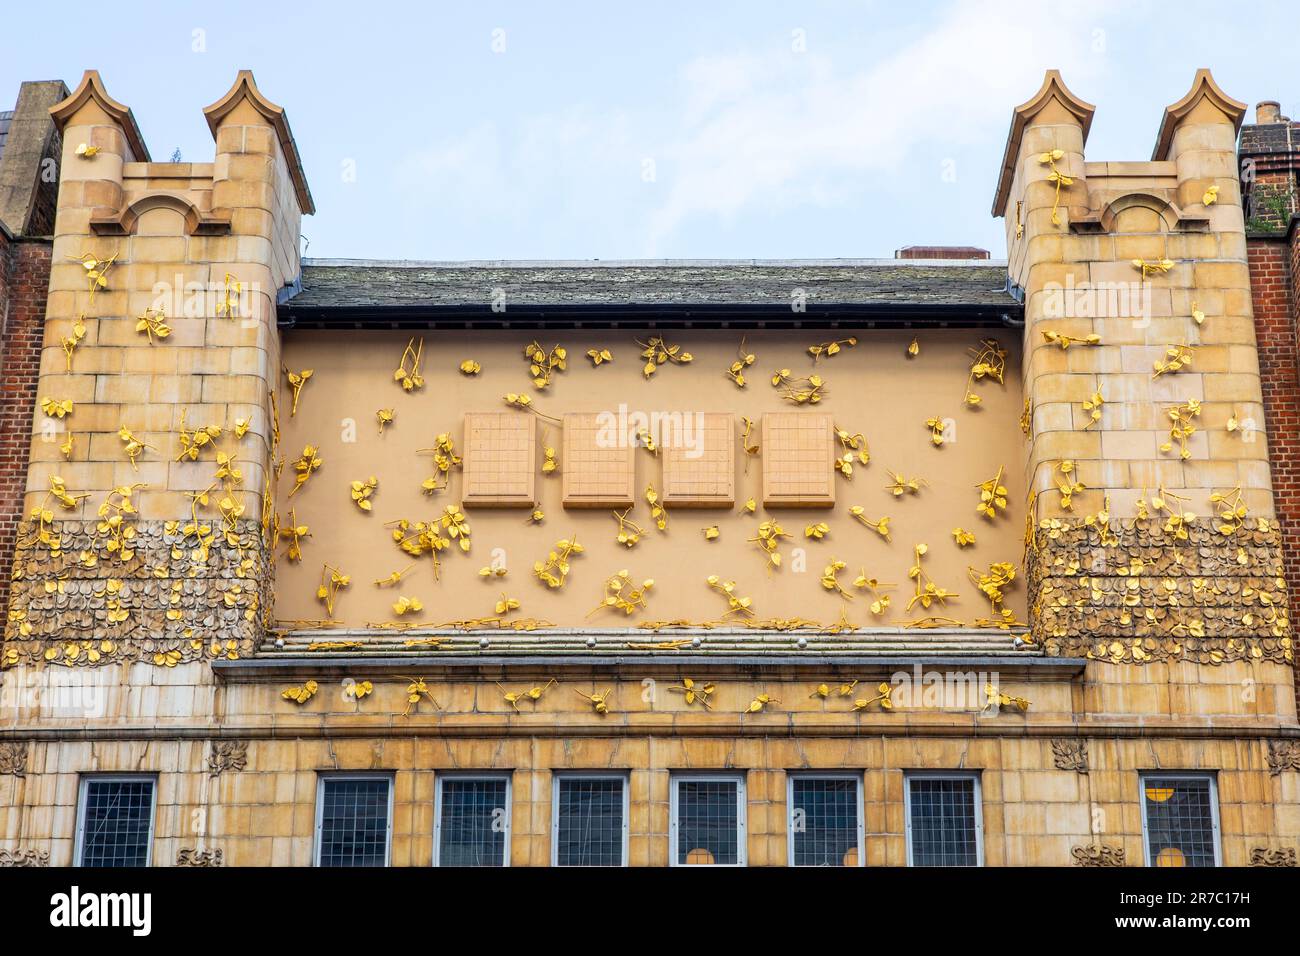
(754, 129)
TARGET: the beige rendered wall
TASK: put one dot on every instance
(874, 388)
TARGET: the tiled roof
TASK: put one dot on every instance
(364, 290)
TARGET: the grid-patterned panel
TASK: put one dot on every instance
(824, 821)
(599, 468)
(354, 823)
(700, 462)
(500, 466)
(798, 453)
(472, 824)
(589, 822)
(708, 822)
(943, 822)
(116, 823)
(1180, 820)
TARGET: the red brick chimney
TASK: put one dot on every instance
(941, 252)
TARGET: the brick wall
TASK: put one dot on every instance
(24, 281)
(1274, 274)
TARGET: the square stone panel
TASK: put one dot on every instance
(798, 455)
(598, 470)
(704, 474)
(500, 460)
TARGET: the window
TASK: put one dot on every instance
(708, 820)
(353, 820)
(590, 821)
(825, 820)
(115, 821)
(943, 820)
(472, 821)
(1180, 819)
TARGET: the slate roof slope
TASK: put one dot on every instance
(357, 289)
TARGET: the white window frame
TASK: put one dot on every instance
(742, 836)
(321, 779)
(83, 785)
(792, 775)
(558, 778)
(1145, 775)
(441, 778)
(977, 796)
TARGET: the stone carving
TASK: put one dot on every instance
(189, 856)
(227, 755)
(1283, 755)
(1099, 854)
(180, 605)
(1133, 593)
(1282, 856)
(1070, 754)
(24, 857)
(13, 757)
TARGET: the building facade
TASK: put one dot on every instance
(924, 561)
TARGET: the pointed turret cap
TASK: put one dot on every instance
(1203, 87)
(92, 88)
(245, 88)
(1053, 88)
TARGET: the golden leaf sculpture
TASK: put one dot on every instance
(768, 541)
(829, 349)
(543, 364)
(695, 693)
(993, 496)
(807, 390)
(599, 702)
(852, 447)
(1053, 337)
(417, 691)
(656, 351)
(880, 527)
(831, 579)
(385, 417)
(742, 606)
(996, 698)
(744, 359)
(304, 467)
(900, 485)
(332, 580)
(470, 367)
(300, 695)
(599, 356)
(153, 324)
(879, 601)
(1184, 426)
(1153, 267)
(989, 362)
(622, 595)
(554, 571)
(57, 408)
(1177, 358)
(361, 492)
(629, 532)
(937, 426)
(926, 591)
(297, 382)
(72, 340)
(1054, 175)
(1069, 484)
(132, 446)
(408, 373)
(658, 513)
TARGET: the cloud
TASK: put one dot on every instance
(791, 129)
(746, 134)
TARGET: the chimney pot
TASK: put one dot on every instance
(1268, 111)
